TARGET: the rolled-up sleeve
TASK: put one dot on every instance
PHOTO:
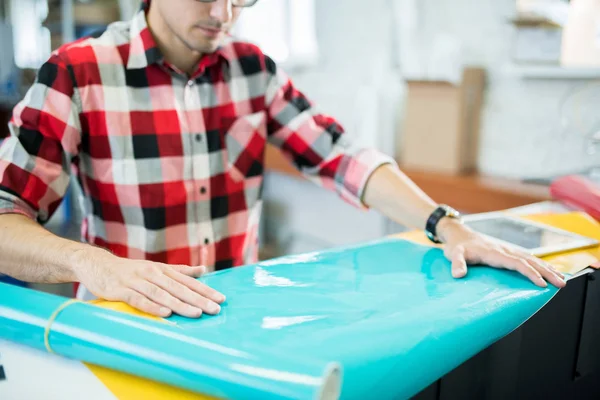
(35, 159)
(11, 204)
(315, 142)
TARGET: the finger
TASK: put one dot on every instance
(502, 259)
(185, 294)
(459, 264)
(162, 297)
(194, 272)
(536, 262)
(136, 300)
(198, 287)
(553, 268)
(596, 264)
(548, 272)
(524, 268)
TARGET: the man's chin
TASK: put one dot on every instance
(204, 48)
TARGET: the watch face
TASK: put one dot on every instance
(451, 212)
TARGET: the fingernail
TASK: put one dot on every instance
(220, 298)
(542, 282)
(213, 308)
(165, 311)
(203, 269)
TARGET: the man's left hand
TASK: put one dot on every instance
(466, 247)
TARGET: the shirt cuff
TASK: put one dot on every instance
(354, 173)
(10, 204)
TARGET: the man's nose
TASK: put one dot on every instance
(221, 10)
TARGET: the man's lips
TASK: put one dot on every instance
(210, 32)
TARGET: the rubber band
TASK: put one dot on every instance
(51, 320)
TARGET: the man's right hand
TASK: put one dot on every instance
(155, 288)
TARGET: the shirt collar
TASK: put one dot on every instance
(143, 50)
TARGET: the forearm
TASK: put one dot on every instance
(393, 194)
(32, 254)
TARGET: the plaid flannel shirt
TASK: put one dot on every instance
(171, 166)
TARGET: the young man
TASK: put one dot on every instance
(165, 120)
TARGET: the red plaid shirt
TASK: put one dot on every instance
(171, 166)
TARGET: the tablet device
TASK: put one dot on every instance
(532, 237)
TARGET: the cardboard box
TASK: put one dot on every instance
(441, 126)
(536, 41)
(96, 13)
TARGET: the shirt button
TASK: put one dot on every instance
(198, 137)
(190, 83)
(206, 241)
(203, 190)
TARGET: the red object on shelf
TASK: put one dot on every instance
(579, 193)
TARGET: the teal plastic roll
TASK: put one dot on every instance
(388, 313)
(161, 351)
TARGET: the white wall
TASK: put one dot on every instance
(522, 133)
(355, 66)
(355, 62)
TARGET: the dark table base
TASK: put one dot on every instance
(554, 355)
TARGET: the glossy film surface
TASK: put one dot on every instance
(387, 317)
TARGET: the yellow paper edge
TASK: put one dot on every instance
(570, 262)
(130, 387)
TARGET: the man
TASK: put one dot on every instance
(165, 121)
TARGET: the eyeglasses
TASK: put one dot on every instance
(235, 3)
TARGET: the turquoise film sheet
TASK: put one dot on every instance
(383, 319)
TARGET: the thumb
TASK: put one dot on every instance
(459, 264)
(194, 272)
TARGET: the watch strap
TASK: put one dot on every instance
(440, 212)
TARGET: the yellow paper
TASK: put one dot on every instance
(131, 387)
(572, 262)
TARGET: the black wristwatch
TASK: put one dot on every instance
(442, 211)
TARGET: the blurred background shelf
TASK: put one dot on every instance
(552, 72)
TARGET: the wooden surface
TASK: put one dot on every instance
(469, 193)
(475, 194)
